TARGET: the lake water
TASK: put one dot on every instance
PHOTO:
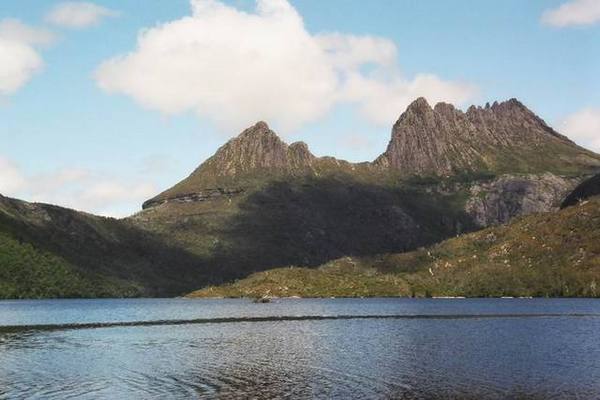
(234, 349)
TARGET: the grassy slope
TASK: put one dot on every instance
(557, 157)
(553, 254)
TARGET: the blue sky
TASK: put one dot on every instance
(106, 122)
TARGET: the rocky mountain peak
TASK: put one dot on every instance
(442, 140)
(299, 156)
(444, 109)
(261, 128)
(502, 137)
(256, 153)
(425, 141)
(418, 106)
(256, 147)
(259, 148)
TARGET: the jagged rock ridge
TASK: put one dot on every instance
(257, 152)
(257, 147)
(504, 137)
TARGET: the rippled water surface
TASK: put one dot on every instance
(398, 348)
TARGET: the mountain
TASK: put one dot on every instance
(50, 251)
(255, 156)
(546, 255)
(503, 138)
(259, 203)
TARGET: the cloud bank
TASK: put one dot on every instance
(234, 68)
(78, 15)
(573, 13)
(19, 58)
(584, 128)
(76, 188)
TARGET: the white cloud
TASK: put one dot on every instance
(575, 12)
(14, 30)
(382, 100)
(78, 14)
(584, 128)
(351, 51)
(19, 60)
(11, 179)
(235, 67)
(76, 188)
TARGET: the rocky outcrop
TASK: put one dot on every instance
(204, 195)
(510, 123)
(299, 157)
(431, 141)
(255, 154)
(256, 149)
(587, 189)
(503, 137)
(500, 200)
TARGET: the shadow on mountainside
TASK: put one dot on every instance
(312, 221)
(301, 222)
(120, 259)
(585, 190)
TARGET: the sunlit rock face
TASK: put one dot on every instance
(504, 137)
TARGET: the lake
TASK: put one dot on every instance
(300, 348)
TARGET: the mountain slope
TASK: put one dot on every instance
(49, 251)
(550, 254)
(260, 203)
(29, 272)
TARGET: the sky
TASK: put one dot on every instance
(105, 104)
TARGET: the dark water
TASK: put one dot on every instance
(399, 349)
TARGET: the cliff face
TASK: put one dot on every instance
(503, 138)
(428, 141)
(500, 200)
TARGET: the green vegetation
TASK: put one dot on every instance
(28, 272)
(48, 251)
(340, 278)
(551, 254)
